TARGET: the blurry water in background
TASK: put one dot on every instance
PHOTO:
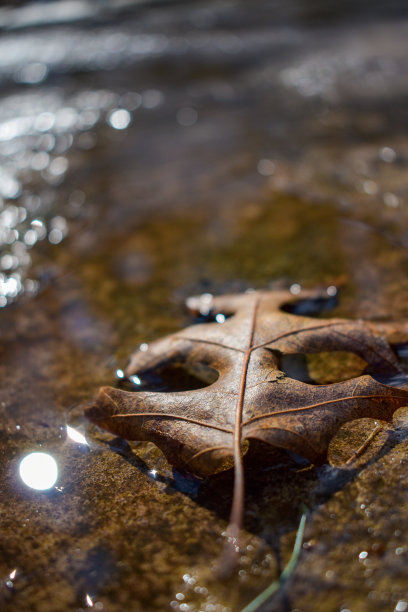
(217, 98)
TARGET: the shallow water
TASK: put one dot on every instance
(165, 150)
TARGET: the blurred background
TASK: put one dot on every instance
(112, 110)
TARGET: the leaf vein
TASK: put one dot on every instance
(171, 416)
(320, 404)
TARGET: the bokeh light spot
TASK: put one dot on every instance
(38, 471)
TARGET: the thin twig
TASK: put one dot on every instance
(263, 597)
(362, 448)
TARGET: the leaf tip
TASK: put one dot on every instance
(103, 407)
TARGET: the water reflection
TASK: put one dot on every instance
(88, 600)
(9, 582)
(76, 436)
(187, 116)
(133, 379)
(265, 167)
(31, 74)
(152, 98)
(39, 471)
(119, 119)
(37, 130)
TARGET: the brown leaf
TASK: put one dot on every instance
(204, 430)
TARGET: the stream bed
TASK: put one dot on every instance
(150, 152)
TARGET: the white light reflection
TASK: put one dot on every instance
(38, 471)
(135, 380)
(295, 289)
(152, 98)
(388, 155)
(265, 167)
(220, 318)
(31, 73)
(120, 374)
(390, 199)
(131, 100)
(370, 187)
(76, 435)
(44, 122)
(40, 161)
(202, 303)
(55, 236)
(39, 227)
(89, 601)
(119, 119)
(12, 574)
(58, 166)
(59, 223)
(30, 237)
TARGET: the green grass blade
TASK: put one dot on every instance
(256, 603)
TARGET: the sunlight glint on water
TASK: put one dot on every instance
(38, 471)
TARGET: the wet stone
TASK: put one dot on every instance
(153, 155)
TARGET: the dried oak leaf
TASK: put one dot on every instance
(203, 430)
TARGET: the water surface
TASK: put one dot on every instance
(160, 151)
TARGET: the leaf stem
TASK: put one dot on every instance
(237, 508)
(263, 597)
